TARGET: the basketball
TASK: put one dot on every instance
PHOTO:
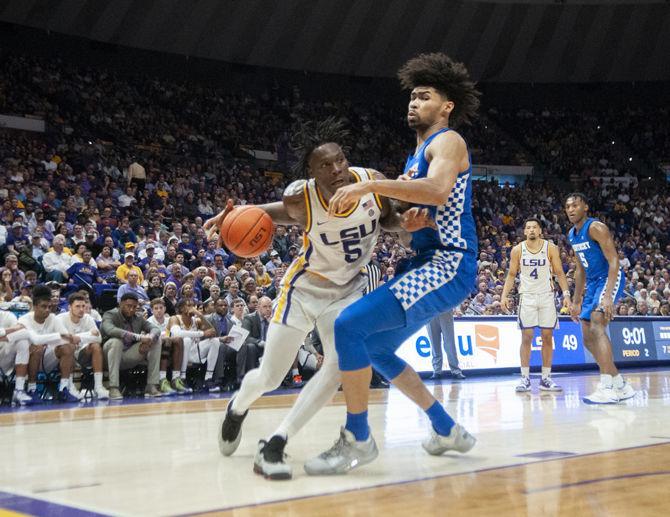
(247, 231)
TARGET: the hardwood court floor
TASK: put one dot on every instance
(537, 453)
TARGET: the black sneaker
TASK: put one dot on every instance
(230, 434)
(270, 460)
(211, 386)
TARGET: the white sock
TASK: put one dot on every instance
(295, 372)
(20, 383)
(606, 380)
(64, 383)
(97, 379)
(525, 371)
(32, 386)
(617, 381)
(209, 375)
(183, 375)
(546, 372)
(162, 375)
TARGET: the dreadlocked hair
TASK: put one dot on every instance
(311, 135)
(448, 77)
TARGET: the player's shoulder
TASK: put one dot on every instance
(598, 228)
(449, 138)
(295, 188)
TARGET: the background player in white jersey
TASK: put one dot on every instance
(52, 346)
(14, 355)
(172, 348)
(201, 346)
(86, 339)
(320, 282)
(536, 260)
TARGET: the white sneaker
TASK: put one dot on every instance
(458, 440)
(602, 395)
(523, 386)
(21, 398)
(547, 384)
(344, 455)
(625, 392)
(101, 393)
(75, 392)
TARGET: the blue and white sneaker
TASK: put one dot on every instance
(36, 397)
(548, 384)
(66, 396)
(523, 386)
(625, 392)
(21, 398)
(602, 395)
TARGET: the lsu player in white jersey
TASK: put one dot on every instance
(324, 279)
(536, 260)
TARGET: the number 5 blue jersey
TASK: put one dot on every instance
(589, 252)
(456, 230)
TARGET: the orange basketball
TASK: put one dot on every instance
(247, 231)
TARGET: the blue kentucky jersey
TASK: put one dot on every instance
(456, 226)
(589, 252)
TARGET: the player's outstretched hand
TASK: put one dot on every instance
(416, 219)
(213, 224)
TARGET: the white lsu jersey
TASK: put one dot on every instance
(338, 247)
(535, 271)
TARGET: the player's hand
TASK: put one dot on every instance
(347, 196)
(404, 177)
(575, 310)
(416, 219)
(213, 224)
(506, 303)
(209, 333)
(607, 306)
(567, 302)
(226, 339)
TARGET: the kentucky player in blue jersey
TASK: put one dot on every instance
(438, 178)
(599, 283)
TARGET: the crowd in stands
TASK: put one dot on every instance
(111, 201)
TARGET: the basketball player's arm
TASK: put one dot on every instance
(393, 219)
(515, 258)
(447, 155)
(580, 281)
(600, 233)
(557, 267)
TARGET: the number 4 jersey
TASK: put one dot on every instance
(337, 248)
(535, 269)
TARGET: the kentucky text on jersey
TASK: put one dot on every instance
(588, 252)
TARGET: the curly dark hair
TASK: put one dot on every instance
(310, 135)
(577, 195)
(448, 77)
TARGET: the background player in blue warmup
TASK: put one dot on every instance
(438, 177)
(599, 283)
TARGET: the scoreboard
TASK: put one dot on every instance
(493, 342)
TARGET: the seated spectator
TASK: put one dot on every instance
(132, 286)
(201, 346)
(8, 286)
(52, 346)
(12, 265)
(56, 262)
(172, 352)
(128, 340)
(106, 263)
(14, 355)
(156, 288)
(82, 275)
(88, 351)
(127, 266)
